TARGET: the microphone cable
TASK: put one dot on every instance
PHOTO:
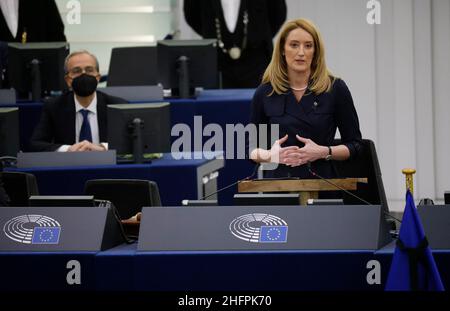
(347, 192)
(255, 170)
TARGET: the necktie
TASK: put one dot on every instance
(85, 132)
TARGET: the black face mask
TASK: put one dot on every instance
(84, 85)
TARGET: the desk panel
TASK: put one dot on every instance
(253, 271)
(45, 271)
(123, 268)
(176, 179)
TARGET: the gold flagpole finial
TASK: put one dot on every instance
(409, 172)
(24, 36)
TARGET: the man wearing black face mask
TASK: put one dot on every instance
(76, 121)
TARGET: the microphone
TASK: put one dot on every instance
(335, 185)
(235, 183)
(172, 35)
(346, 191)
(203, 202)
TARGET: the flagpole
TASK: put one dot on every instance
(409, 172)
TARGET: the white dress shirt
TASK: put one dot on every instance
(231, 13)
(10, 10)
(93, 122)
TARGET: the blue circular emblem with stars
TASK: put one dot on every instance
(33, 229)
(259, 228)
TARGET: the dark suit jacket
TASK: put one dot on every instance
(3, 62)
(4, 199)
(316, 117)
(40, 19)
(57, 124)
(265, 19)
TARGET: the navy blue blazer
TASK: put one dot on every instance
(315, 117)
(56, 126)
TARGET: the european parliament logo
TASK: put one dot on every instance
(33, 229)
(259, 228)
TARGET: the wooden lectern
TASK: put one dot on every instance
(308, 188)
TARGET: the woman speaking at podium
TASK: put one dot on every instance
(301, 95)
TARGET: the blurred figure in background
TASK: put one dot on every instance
(4, 199)
(3, 63)
(244, 30)
(27, 21)
(30, 21)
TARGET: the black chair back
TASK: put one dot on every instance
(131, 66)
(19, 186)
(365, 165)
(127, 195)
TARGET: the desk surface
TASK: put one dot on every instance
(167, 160)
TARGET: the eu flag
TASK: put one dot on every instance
(46, 235)
(273, 234)
(413, 266)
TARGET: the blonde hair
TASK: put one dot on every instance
(276, 73)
